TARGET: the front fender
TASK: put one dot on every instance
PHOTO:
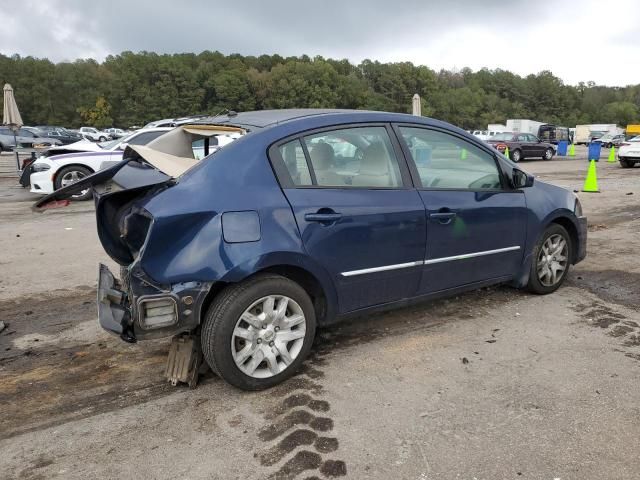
(534, 232)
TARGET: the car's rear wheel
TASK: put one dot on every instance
(626, 163)
(256, 334)
(516, 155)
(71, 174)
(551, 260)
(548, 154)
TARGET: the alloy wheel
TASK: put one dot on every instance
(71, 178)
(268, 336)
(552, 260)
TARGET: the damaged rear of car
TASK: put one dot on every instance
(131, 219)
(182, 230)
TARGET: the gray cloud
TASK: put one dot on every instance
(521, 36)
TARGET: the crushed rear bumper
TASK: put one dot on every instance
(114, 314)
(143, 310)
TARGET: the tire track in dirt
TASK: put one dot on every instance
(299, 428)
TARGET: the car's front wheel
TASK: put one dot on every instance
(71, 174)
(516, 155)
(551, 260)
(548, 154)
(256, 334)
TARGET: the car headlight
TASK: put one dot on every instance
(577, 209)
(40, 167)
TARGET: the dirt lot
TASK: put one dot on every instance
(495, 384)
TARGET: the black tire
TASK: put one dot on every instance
(516, 155)
(2, 147)
(81, 171)
(224, 313)
(548, 154)
(626, 163)
(535, 285)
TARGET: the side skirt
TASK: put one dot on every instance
(405, 302)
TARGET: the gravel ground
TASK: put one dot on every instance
(494, 384)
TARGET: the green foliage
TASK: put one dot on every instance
(98, 115)
(135, 88)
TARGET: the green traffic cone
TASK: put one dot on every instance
(463, 154)
(506, 152)
(572, 150)
(612, 155)
(591, 182)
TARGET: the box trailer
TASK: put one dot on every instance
(632, 130)
(586, 133)
(524, 126)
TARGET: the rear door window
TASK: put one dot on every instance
(295, 161)
(361, 157)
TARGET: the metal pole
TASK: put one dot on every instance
(15, 141)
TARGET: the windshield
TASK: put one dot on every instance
(503, 136)
(112, 143)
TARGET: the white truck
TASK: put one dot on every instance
(521, 125)
(585, 133)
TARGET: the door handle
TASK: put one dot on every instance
(324, 218)
(443, 218)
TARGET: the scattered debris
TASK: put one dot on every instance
(2, 326)
(465, 361)
(630, 193)
(597, 227)
(491, 341)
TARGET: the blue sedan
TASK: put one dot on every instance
(310, 217)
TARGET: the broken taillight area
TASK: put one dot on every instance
(157, 312)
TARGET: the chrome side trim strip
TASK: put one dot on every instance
(470, 255)
(397, 266)
(385, 268)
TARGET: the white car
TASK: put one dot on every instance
(629, 152)
(57, 171)
(139, 137)
(94, 134)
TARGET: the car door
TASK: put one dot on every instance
(525, 145)
(358, 215)
(538, 146)
(475, 222)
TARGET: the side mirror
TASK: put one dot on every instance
(521, 179)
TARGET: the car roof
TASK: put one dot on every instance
(263, 119)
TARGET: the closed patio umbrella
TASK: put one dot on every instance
(11, 115)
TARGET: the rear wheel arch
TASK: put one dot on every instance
(303, 277)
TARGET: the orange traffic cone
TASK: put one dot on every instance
(591, 182)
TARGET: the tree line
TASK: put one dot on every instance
(135, 88)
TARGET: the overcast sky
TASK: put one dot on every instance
(578, 40)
